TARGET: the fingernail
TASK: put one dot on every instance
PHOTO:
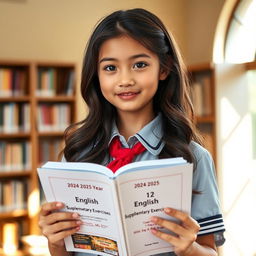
(153, 219)
(75, 215)
(167, 210)
(153, 231)
(79, 222)
(59, 204)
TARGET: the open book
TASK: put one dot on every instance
(116, 208)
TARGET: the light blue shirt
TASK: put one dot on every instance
(205, 206)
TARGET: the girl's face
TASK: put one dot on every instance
(128, 74)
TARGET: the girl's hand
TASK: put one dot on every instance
(186, 231)
(57, 225)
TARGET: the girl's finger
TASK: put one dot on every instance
(185, 219)
(166, 237)
(181, 244)
(60, 216)
(172, 226)
(53, 238)
(60, 227)
(49, 207)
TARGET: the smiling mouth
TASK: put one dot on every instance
(127, 95)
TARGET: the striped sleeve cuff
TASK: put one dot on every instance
(210, 225)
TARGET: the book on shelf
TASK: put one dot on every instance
(14, 117)
(12, 82)
(15, 156)
(69, 88)
(46, 85)
(197, 98)
(66, 82)
(54, 81)
(116, 208)
(49, 148)
(206, 81)
(13, 195)
(53, 117)
(201, 95)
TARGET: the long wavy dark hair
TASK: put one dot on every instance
(172, 98)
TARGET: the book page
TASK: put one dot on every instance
(149, 164)
(79, 166)
(146, 193)
(93, 197)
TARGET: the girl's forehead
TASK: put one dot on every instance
(119, 47)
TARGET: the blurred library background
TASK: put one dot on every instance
(42, 46)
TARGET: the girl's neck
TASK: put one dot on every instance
(130, 124)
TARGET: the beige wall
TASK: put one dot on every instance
(201, 21)
(58, 29)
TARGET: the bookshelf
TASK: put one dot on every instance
(37, 103)
(202, 78)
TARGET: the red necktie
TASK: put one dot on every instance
(122, 155)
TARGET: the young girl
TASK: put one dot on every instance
(136, 89)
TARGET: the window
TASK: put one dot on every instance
(241, 37)
(237, 130)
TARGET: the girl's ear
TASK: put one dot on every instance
(163, 74)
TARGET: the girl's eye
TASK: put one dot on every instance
(140, 65)
(110, 68)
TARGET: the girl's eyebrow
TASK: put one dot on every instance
(130, 58)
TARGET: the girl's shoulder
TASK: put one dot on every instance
(204, 165)
(199, 151)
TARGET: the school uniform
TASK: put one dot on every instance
(205, 208)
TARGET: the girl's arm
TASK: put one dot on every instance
(56, 226)
(58, 250)
(185, 242)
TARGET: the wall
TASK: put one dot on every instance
(59, 29)
(201, 21)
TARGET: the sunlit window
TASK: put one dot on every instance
(237, 130)
(252, 108)
(241, 38)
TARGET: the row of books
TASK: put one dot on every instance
(12, 82)
(201, 96)
(49, 150)
(53, 117)
(13, 194)
(52, 82)
(14, 117)
(15, 156)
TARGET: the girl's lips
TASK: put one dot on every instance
(127, 95)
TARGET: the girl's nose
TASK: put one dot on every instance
(126, 79)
